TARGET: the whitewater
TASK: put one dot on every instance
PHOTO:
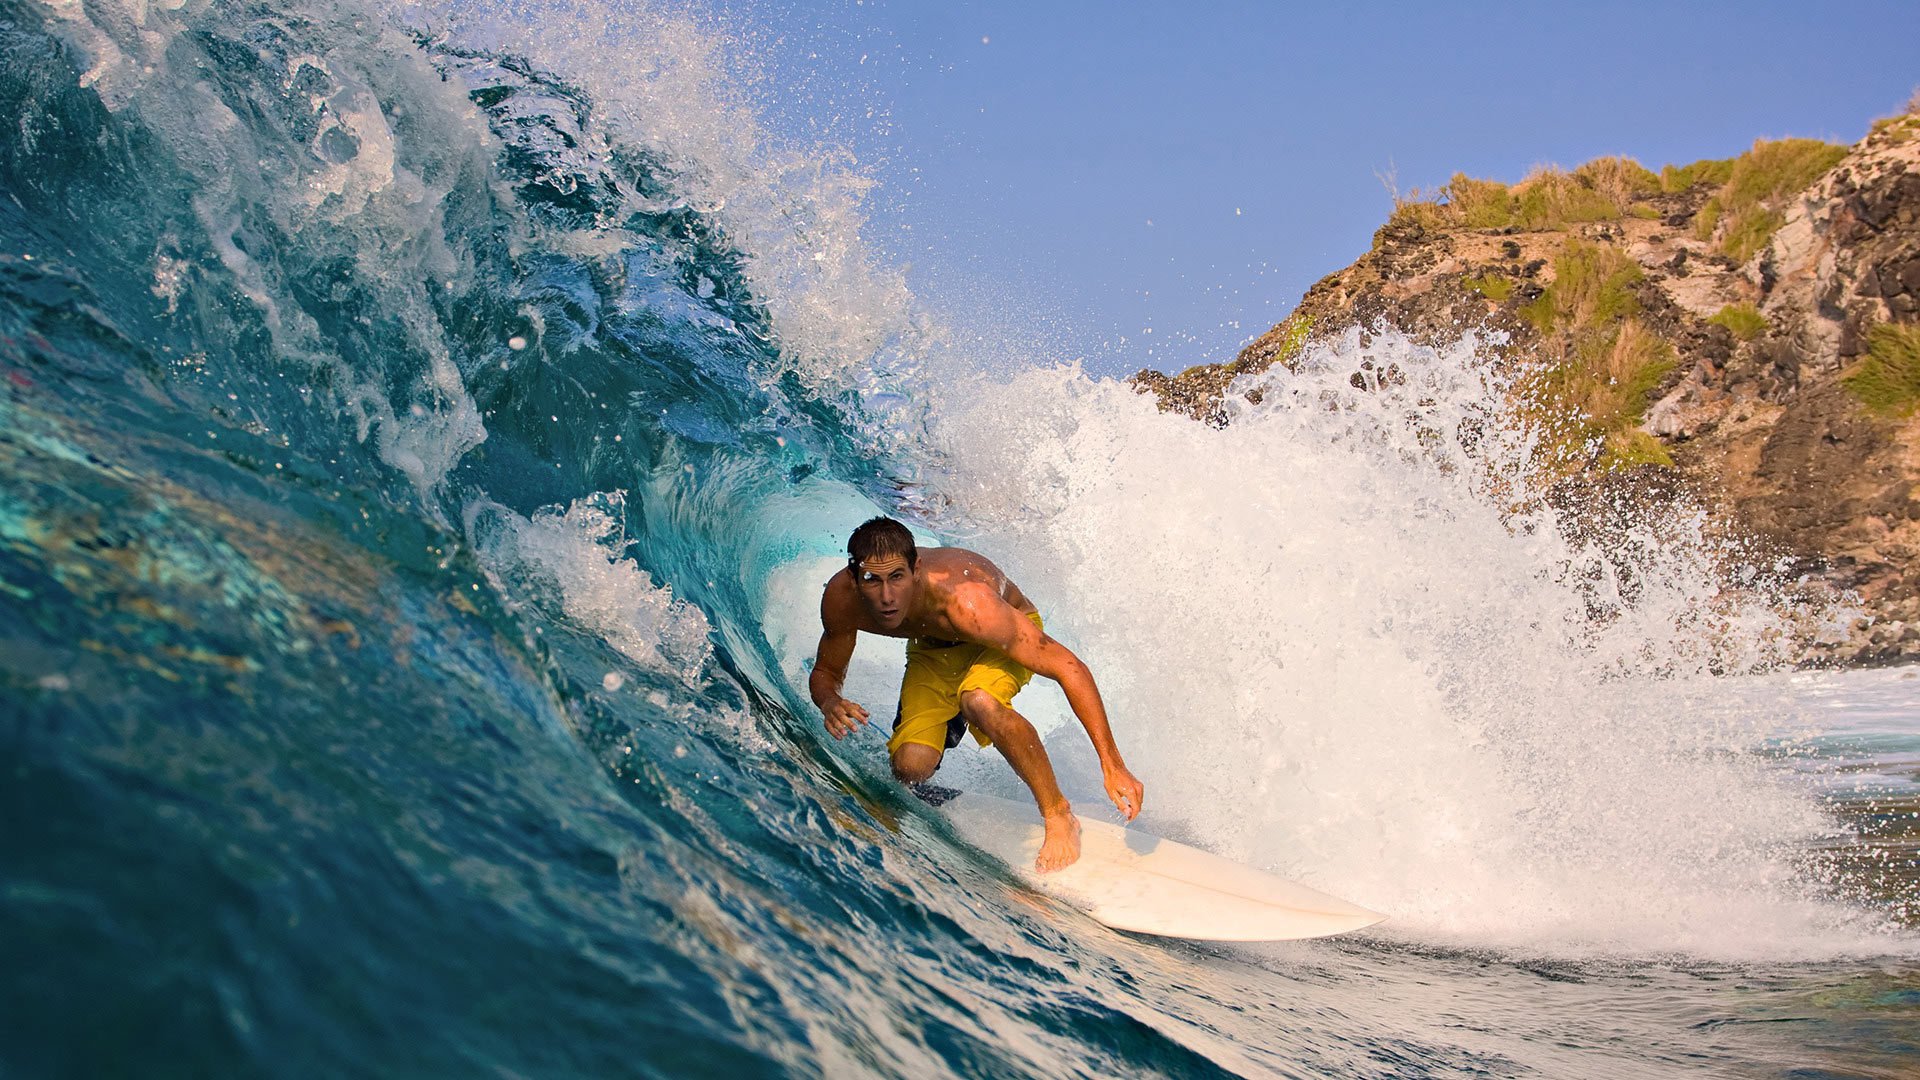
(425, 431)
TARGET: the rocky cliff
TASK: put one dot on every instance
(1745, 332)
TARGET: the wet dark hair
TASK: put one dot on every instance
(880, 536)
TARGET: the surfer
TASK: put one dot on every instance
(973, 640)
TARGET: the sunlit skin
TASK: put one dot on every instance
(958, 595)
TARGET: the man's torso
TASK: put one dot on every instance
(941, 572)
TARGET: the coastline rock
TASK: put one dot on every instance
(1754, 399)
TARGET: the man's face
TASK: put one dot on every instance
(886, 586)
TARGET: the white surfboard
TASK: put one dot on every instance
(1133, 880)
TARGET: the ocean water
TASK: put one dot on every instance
(424, 432)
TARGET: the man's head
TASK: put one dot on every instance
(881, 557)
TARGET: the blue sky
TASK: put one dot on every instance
(1150, 184)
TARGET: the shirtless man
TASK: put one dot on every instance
(974, 639)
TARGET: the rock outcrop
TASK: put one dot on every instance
(1747, 329)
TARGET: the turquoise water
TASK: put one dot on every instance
(420, 441)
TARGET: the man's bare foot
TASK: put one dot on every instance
(1062, 843)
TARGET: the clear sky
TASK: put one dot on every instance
(1151, 184)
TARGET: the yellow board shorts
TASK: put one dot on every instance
(937, 674)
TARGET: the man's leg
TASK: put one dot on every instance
(1020, 745)
(915, 762)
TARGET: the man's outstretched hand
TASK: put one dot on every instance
(844, 718)
(1124, 789)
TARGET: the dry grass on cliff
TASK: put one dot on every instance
(1479, 204)
(1675, 179)
(1744, 320)
(1740, 216)
(1549, 199)
(1898, 128)
(1887, 382)
(1745, 213)
(1902, 125)
(1593, 400)
(1429, 216)
(1592, 286)
(1601, 364)
(1619, 180)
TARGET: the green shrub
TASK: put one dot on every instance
(1744, 320)
(1887, 382)
(1495, 287)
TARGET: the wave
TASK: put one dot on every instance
(1347, 651)
(524, 307)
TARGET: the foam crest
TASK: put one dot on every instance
(1339, 642)
(348, 150)
(663, 83)
(572, 562)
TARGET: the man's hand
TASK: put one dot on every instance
(844, 718)
(1125, 791)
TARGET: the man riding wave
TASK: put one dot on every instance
(973, 641)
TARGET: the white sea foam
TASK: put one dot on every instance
(1337, 645)
(572, 561)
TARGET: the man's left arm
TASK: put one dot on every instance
(992, 621)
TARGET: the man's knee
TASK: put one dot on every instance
(978, 705)
(913, 763)
(986, 712)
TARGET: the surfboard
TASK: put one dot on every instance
(1132, 880)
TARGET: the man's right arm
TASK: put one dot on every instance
(837, 639)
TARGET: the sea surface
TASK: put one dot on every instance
(424, 431)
